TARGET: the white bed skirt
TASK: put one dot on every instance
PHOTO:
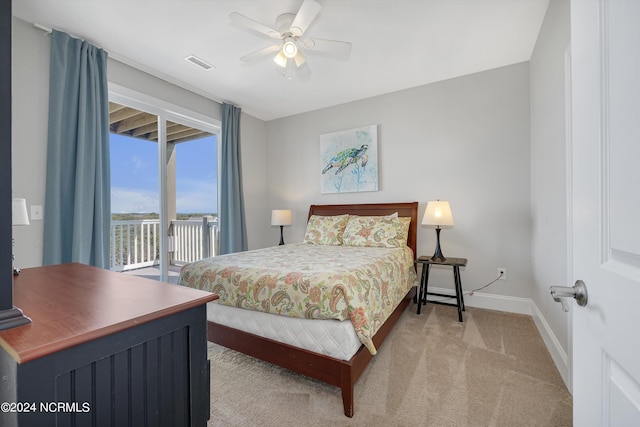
(332, 338)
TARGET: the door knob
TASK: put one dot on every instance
(577, 292)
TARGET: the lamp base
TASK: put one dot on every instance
(438, 258)
(281, 236)
(437, 255)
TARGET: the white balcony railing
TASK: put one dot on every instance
(194, 239)
(136, 243)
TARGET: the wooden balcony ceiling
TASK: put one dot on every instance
(138, 124)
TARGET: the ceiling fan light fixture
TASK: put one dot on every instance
(299, 59)
(289, 48)
(280, 59)
(289, 58)
(290, 70)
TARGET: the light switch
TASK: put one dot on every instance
(36, 213)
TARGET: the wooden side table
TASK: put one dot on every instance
(456, 263)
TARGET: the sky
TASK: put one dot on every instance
(134, 176)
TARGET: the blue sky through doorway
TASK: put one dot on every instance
(134, 176)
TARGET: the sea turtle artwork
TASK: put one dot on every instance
(349, 160)
(347, 157)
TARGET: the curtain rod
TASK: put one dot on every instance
(48, 32)
(43, 28)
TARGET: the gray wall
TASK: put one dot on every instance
(30, 61)
(549, 168)
(465, 140)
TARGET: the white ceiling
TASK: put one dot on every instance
(397, 44)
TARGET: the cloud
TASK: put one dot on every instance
(125, 200)
(138, 163)
(193, 196)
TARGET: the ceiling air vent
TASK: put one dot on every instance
(199, 62)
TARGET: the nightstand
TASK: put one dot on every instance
(456, 263)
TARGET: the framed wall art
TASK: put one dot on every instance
(349, 160)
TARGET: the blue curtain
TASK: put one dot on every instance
(78, 200)
(233, 233)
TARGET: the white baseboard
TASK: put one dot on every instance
(490, 301)
(520, 306)
(558, 354)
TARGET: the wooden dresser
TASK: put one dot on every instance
(104, 349)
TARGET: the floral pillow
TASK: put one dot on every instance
(326, 230)
(381, 231)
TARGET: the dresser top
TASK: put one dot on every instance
(70, 304)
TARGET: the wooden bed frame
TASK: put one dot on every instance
(340, 373)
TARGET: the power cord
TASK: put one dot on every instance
(471, 292)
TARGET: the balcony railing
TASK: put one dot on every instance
(194, 239)
(136, 243)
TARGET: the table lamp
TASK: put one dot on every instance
(19, 216)
(281, 217)
(438, 213)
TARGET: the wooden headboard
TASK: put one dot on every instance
(409, 209)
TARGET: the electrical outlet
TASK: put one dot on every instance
(503, 272)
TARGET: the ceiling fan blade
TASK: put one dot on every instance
(307, 13)
(247, 23)
(331, 48)
(259, 54)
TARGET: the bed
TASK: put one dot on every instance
(228, 276)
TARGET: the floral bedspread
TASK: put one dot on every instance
(363, 284)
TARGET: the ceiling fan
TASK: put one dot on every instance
(289, 42)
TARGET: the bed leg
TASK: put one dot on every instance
(347, 401)
(347, 392)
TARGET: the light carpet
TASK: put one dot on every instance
(491, 370)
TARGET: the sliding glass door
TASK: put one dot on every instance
(135, 189)
(163, 190)
(193, 203)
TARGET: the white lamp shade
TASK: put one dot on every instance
(281, 217)
(19, 214)
(438, 213)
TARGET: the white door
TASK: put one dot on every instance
(605, 47)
